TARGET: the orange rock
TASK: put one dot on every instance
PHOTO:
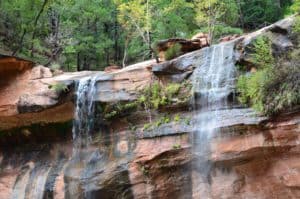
(185, 45)
(110, 69)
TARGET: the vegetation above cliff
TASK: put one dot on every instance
(83, 35)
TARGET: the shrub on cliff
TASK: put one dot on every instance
(296, 29)
(59, 87)
(173, 51)
(296, 6)
(156, 96)
(250, 86)
(275, 87)
(282, 90)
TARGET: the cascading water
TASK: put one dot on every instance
(84, 112)
(213, 82)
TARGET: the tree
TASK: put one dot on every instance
(296, 6)
(213, 12)
(136, 16)
(89, 35)
(257, 13)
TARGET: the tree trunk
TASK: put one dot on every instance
(35, 25)
(78, 61)
(56, 49)
(116, 37)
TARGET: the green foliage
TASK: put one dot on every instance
(173, 51)
(59, 87)
(210, 12)
(156, 95)
(250, 86)
(112, 111)
(90, 35)
(275, 87)
(262, 55)
(177, 118)
(296, 26)
(77, 35)
(147, 127)
(176, 146)
(282, 88)
(187, 120)
(54, 66)
(172, 89)
(250, 89)
(258, 13)
(132, 127)
(295, 8)
(221, 30)
(162, 120)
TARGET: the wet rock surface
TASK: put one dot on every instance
(124, 84)
(259, 160)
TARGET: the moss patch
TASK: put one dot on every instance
(59, 87)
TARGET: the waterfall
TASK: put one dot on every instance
(213, 82)
(83, 123)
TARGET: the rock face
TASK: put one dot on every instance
(260, 160)
(197, 42)
(110, 69)
(229, 38)
(259, 163)
(24, 95)
(251, 157)
(122, 85)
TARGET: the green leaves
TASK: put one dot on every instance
(295, 8)
(275, 87)
(262, 55)
(93, 34)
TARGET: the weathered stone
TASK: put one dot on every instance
(177, 67)
(39, 72)
(278, 33)
(229, 38)
(12, 64)
(185, 45)
(123, 85)
(110, 69)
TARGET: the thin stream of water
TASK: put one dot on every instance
(213, 82)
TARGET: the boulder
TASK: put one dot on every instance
(27, 97)
(123, 85)
(180, 68)
(184, 44)
(110, 69)
(39, 72)
(229, 38)
(11, 64)
(280, 34)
